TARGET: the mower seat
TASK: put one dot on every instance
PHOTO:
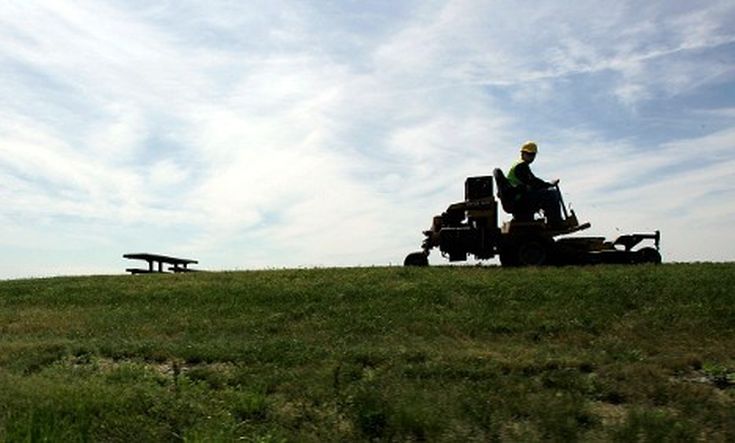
(506, 192)
(507, 195)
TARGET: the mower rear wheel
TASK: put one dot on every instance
(532, 252)
(526, 251)
(416, 259)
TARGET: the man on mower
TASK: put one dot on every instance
(531, 192)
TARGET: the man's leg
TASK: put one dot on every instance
(526, 206)
(549, 201)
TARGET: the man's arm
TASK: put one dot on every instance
(524, 174)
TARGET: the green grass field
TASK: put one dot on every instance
(607, 353)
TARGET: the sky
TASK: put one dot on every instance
(271, 134)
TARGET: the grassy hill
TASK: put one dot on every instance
(641, 353)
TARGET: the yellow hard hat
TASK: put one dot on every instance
(529, 147)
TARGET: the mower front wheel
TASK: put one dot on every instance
(416, 259)
(648, 255)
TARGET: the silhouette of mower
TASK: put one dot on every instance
(471, 228)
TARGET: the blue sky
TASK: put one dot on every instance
(260, 134)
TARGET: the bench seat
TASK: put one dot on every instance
(142, 271)
(180, 269)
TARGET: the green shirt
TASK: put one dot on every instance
(520, 176)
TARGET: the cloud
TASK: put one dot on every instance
(504, 44)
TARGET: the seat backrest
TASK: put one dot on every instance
(506, 193)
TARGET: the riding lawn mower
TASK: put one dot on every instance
(471, 228)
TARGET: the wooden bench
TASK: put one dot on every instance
(156, 263)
